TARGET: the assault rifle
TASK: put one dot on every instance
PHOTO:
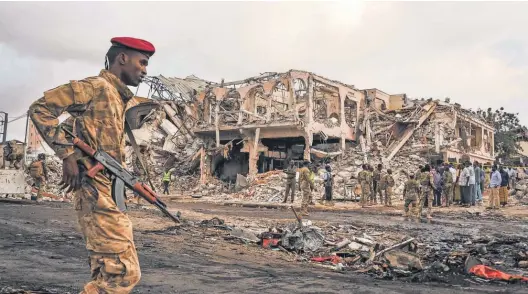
(121, 177)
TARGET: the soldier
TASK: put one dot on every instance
(426, 187)
(447, 185)
(16, 153)
(376, 179)
(411, 191)
(290, 182)
(364, 182)
(306, 186)
(372, 193)
(387, 183)
(98, 105)
(39, 173)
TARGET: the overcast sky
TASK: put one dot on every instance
(475, 53)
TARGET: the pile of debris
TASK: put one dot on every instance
(390, 254)
(166, 141)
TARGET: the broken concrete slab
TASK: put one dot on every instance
(168, 127)
(404, 260)
(245, 234)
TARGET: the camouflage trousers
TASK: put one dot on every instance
(306, 198)
(387, 195)
(107, 231)
(365, 193)
(425, 197)
(447, 194)
(410, 202)
(40, 185)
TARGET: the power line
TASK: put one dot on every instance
(18, 117)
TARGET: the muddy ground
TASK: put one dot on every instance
(40, 248)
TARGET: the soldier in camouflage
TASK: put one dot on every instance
(376, 181)
(426, 187)
(447, 186)
(306, 185)
(386, 185)
(411, 191)
(98, 105)
(363, 178)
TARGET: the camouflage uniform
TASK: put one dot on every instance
(16, 154)
(306, 186)
(426, 186)
(386, 184)
(447, 187)
(376, 185)
(410, 194)
(98, 105)
(365, 187)
(37, 170)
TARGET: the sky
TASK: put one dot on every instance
(476, 53)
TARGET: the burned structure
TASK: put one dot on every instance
(260, 123)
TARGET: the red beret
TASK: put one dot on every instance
(134, 44)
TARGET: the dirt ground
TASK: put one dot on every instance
(41, 249)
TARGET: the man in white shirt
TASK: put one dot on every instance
(464, 183)
(472, 182)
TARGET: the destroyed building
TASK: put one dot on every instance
(257, 124)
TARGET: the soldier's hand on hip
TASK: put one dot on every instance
(70, 174)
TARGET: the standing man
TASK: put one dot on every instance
(513, 177)
(478, 177)
(363, 181)
(504, 187)
(447, 186)
(166, 180)
(39, 173)
(464, 183)
(98, 105)
(328, 181)
(495, 183)
(437, 191)
(471, 184)
(426, 187)
(376, 179)
(290, 182)
(306, 186)
(411, 192)
(387, 183)
(371, 185)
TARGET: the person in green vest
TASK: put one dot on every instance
(166, 180)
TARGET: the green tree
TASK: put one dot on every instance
(507, 128)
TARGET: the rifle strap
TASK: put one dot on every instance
(134, 144)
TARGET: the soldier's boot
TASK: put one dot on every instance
(285, 199)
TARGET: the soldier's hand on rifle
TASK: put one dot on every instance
(70, 174)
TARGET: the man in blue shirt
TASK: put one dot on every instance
(495, 183)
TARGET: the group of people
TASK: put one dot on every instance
(307, 184)
(443, 185)
(375, 183)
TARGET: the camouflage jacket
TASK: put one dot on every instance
(447, 178)
(98, 105)
(426, 181)
(387, 181)
(363, 176)
(411, 190)
(304, 178)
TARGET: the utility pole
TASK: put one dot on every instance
(3, 126)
